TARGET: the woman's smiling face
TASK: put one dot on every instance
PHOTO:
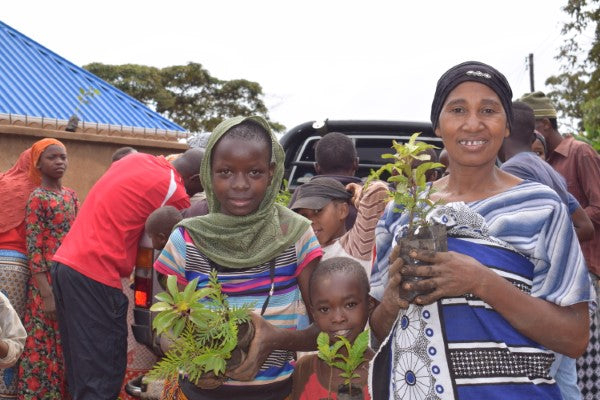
(472, 124)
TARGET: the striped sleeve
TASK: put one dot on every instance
(533, 219)
(171, 260)
(359, 241)
(307, 249)
(562, 277)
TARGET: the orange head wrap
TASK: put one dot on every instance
(36, 151)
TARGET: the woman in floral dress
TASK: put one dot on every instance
(50, 211)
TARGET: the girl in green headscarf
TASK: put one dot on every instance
(263, 253)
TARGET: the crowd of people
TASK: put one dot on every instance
(505, 313)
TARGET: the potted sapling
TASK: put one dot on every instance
(407, 171)
(208, 336)
(346, 358)
(83, 98)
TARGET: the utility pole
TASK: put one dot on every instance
(530, 64)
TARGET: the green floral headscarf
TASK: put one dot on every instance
(249, 240)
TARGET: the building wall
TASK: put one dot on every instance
(89, 154)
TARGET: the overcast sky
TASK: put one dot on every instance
(315, 59)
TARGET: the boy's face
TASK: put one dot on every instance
(328, 222)
(241, 173)
(159, 240)
(339, 305)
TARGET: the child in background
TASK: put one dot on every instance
(325, 202)
(140, 359)
(340, 306)
(263, 254)
(50, 212)
(12, 334)
(160, 223)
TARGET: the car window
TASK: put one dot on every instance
(369, 150)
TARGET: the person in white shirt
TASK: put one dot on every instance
(12, 334)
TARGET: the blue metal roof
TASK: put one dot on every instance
(36, 82)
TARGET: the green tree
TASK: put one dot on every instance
(576, 90)
(186, 94)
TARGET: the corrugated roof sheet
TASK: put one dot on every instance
(37, 82)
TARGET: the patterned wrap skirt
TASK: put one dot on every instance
(14, 275)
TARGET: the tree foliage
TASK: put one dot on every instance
(187, 94)
(576, 90)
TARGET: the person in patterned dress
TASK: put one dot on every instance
(15, 187)
(50, 211)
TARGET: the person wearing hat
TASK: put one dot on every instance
(578, 162)
(325, 202)
(512, 288)
(519, 160)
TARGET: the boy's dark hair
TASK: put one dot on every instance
(346, 265)
(523, 124)
(335, 154)
(251, 131)
(162, 220)
(553, 123)
(122, 152)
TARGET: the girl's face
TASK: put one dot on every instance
(472, 124)
(538, 148)
(340, 306)
(328, 223)
(53, 162)
(241, 172)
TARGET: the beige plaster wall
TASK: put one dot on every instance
(89, 154)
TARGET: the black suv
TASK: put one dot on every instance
(371, 139)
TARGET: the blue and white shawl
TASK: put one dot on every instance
(460, 347)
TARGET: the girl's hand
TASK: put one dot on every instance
(260, 348)
(450, 274)
(356, 191)
(49, 306)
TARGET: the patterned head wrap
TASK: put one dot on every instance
(471, 71)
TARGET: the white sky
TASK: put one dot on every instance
(315, 59)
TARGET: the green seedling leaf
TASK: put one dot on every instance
(161, 306)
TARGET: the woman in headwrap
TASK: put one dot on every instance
(263, 254)
(513, 286)
(50, 211)
(15, 188)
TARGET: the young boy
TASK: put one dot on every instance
(12, 334)
(160, 223)
(325, 201)
(340, 305)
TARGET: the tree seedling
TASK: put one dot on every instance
(347, 361)
(411, 193)
(203, 328)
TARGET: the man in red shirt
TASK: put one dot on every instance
(98, 251)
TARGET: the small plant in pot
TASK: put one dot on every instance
(345, 357)
(407, 171)
(209, 336)
(83, 98)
